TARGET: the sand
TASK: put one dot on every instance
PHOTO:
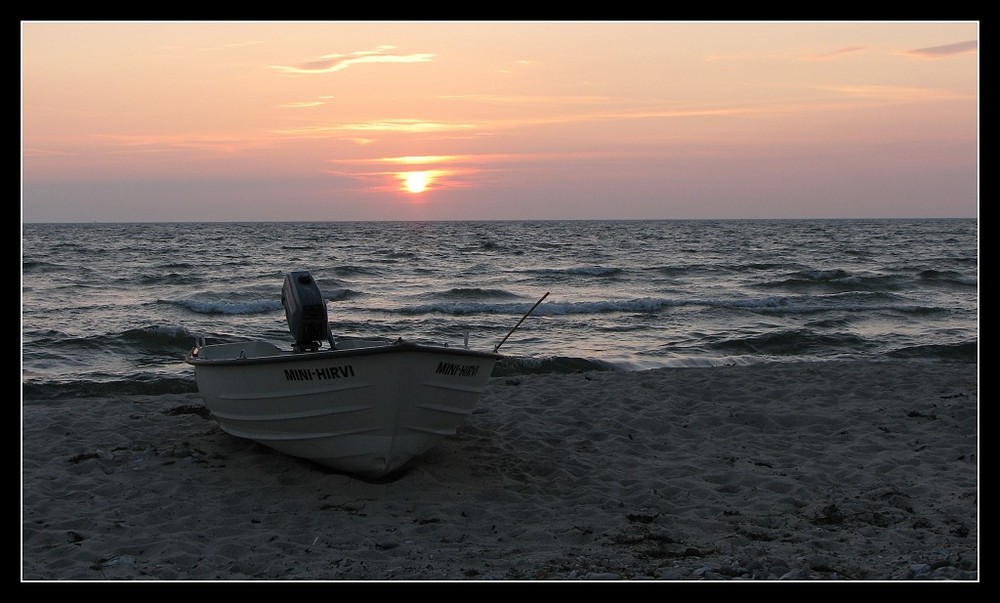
(852, 471)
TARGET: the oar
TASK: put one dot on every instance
(520, 321)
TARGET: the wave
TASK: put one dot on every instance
(470, 293)
(154, 337)
(550, 364)
(797, 342)
(228, 306)
(644, 305)
(401, 255)
(353, 271)
(601, 271)
(172, 278)
(491, 246)
(837, 280)
(28, 266)
(701, 269)
(801, 304)
(151, 339)
(40, 392)
(844, 301)
(341, 294)
(957, 352)
(948, 277)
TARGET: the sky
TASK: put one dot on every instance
(190, 121)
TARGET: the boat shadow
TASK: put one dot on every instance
(388, 478)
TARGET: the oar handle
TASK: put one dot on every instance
(526, 314)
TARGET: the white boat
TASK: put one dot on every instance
(366, 407)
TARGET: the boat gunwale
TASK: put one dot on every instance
(285, 356)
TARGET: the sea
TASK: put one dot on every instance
(111, 309)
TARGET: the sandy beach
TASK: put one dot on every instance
(855, 471)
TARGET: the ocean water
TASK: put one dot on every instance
(111, 309)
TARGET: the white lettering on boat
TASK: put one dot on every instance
(460, 370)
(332, 372)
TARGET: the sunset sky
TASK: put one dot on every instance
(289, 121)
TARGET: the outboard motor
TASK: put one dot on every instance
(305, 310)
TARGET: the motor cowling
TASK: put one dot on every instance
(305, 310)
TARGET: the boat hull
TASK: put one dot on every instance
(367, 410)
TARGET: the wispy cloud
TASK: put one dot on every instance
(419, 159)
(173, 143)
(947, 50)
(713, 58)
(893, 94)
(183, 51)
(826, 56)
(332, 63)
(319, 102)
(399, 125)
(523, 100)
(234, 45)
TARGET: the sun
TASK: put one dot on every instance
(416, 182)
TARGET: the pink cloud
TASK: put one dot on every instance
(947, 50)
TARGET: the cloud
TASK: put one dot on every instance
(833, 54)
(523, 100)
(419, 159)
(398, 125)
(893, 94)
(947, 50)
(303, 104)
(332, 63)
(177, 143)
